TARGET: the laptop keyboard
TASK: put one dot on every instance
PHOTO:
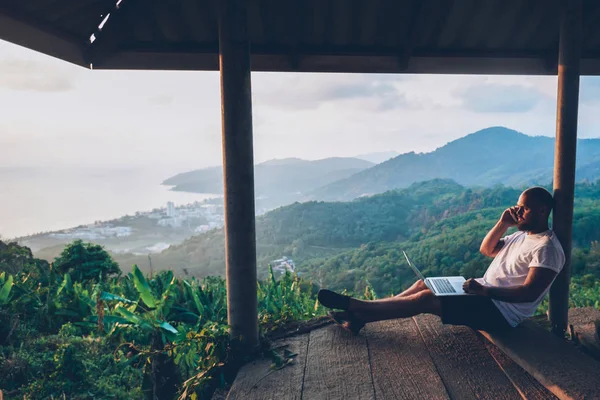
(443, 286)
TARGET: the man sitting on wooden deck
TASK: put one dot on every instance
(524, 267)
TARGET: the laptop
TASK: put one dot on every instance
(441, 286)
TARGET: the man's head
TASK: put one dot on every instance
(535, 205)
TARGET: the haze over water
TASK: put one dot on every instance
(34, 200)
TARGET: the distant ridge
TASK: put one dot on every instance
(288, 179)
(495, 155)
(378, 157)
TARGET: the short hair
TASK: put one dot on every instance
(540, 196)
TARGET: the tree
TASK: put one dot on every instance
(86, 262)
(15, 258)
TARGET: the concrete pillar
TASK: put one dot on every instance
(565, 153)
(238, 171)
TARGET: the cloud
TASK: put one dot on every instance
(375, 92)
(32, 76)
(498, 98)
(161, 100)
(589, 89)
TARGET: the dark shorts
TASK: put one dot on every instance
(477, 312)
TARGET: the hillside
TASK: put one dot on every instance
(488, 157)
(281, 177)
(304, 231)
(345, 244)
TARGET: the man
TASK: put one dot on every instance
(525, 265)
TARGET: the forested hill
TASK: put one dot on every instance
(318, 229)
(345, 244)
(275, 177)
(488, 157)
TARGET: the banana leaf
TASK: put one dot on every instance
(134, 319)
(168, 327)
(197, 301)
(142, 286)
(110, 297)
(164, 306)
(5, 291)
(66, 284)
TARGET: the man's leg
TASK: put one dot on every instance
(423, 302)
(416, 288)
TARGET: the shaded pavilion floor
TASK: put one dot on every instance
(413, 358)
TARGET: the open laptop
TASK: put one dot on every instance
(441, 286)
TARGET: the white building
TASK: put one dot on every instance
(171, 211)
(174, 222)
(283, 264)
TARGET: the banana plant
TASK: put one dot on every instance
(6, 283)
(149, 313)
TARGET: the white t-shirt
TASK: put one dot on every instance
(511, 266)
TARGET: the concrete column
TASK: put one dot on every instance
(238, 171)
(565, 153)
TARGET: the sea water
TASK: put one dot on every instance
(35, 200)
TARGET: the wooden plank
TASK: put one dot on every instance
(556, 364)
(526, 385)
(463, 362)
(256, 381)
(337, 366)
(507, 22)
(400, 362)
(583, 316)
(208, 60)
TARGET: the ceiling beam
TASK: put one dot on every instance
(27, 31)
(508, 21)
(421, 62)
(409, 39)
(348, 51)
(442, 13)
(294, 16)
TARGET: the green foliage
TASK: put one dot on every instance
(284, 301)
(57, 365)
(6, 283)
(128, 336)
(584, 291)
(86, 262)
(452, 226)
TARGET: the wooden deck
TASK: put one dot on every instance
(415, 358)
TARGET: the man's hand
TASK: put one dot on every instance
(473, 287)
(510, 216)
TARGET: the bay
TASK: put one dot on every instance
(35, 200)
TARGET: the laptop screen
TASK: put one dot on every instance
(419, 274)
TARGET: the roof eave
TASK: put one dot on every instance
(17, 30)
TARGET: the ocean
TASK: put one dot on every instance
(35, 200)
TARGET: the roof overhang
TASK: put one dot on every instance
(383, 36)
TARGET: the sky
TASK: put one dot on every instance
(58, 114)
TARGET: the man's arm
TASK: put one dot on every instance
(538, 279)
(491, 244)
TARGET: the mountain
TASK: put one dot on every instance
(378, 157)
(343, 244)
(284, 161)
(321, 229)
(289, 178)
(491, 156)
